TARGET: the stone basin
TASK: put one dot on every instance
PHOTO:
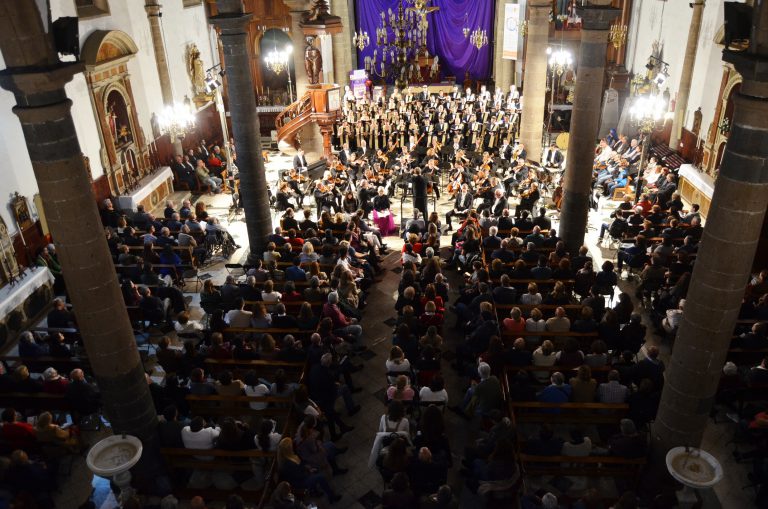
(114, 455)
(693, 467)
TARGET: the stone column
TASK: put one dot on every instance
(535, 77)
(502, 69)
(232, 22)
(344, 53)
(687, 76)
(298, 9)
(153, 14)
(585, 121)
(725, 257)
(37, 80)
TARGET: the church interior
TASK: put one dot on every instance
(396, 254)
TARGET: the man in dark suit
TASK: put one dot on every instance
(500, 203)
(300, 161)
(461, 205)
(542, 221)
(419, 186)
(185, 172)
(552, 157)
(345, 155)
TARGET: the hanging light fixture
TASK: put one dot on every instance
(618, 35)
(361, 40)
(277, 61)
(560, 60)
(176, 120)
(479, 38)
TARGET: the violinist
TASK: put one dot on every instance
(283, 197)
(324, 198)
(461, 205)
(487, 191)
(529, 197)
(330, 182)
(294, 180)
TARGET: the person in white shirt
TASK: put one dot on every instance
(397, 363)
(184, 325)
(253, 387)
(267, 438)
(546, 356)
(270, 296)
(410, 256)
(394, 420)
(238, 317)
(435, 391)
(197, 436)
(672, 320)
(578, 445)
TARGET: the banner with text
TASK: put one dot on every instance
(511, 26)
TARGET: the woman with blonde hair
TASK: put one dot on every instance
(535, 323)
(48, 432)
(308, 254)
(533, 297)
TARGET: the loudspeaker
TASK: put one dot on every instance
(66, 36)
(738, 22)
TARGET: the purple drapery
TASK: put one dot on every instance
(445, 37)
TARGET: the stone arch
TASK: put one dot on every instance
(105, 46)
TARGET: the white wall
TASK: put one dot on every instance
(669, 22)
(181, 27)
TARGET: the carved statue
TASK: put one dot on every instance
(313, 62)
(697, 121)
(8, 267)
(196, 69)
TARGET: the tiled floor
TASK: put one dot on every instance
(362, 487)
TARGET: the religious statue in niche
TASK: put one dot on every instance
(697, 121)
(196, 70)
(313, 61)
(21, 211)
(118, 119)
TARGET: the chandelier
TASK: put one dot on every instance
(277, 61)
(618, 35)
(559, 60)
(176, 120)
(399, 57)
(479, 38)
(361, 40)
(522, 28)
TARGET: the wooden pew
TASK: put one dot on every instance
(502, 310)
(39, 364)
(209, 406)
(264, 369)
(590, 466)
(181, 461)
(276, 333)
(569, 413)
(35, 401)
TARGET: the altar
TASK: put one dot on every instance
(151, 191)
(695, 186)
(22, 304)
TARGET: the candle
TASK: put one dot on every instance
(21, 233)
